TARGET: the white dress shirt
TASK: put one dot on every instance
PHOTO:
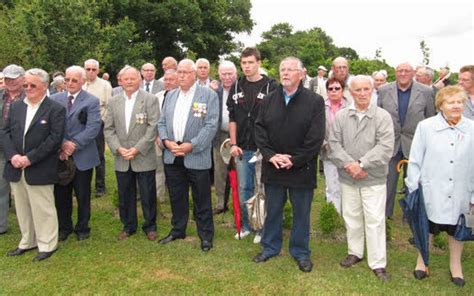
(30, 112)
(225, 112)
(181, 112)
(129, 103)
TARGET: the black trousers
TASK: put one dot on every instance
(179, 179)
(81, 184)
(100, 169)
(127, 190)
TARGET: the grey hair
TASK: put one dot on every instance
(170, 71)
(292, 58)
(380, 72)
(203, 60)
(42, 74)
(91, 61)
(340, 59)
(227, 64)
(146, 64)
(79, 69)
(189, 62)
(427, 71)
(126, 68)
(361, 78)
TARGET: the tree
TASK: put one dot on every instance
(425, 51)
(314, 47)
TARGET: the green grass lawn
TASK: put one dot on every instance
(102, 265)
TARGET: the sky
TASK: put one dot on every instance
(397, 27)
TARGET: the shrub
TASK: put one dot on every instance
(329, 219)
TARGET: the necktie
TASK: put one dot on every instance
(147, 87)
(69, 103)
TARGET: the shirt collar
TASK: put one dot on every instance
(31, 105)
(442, 124)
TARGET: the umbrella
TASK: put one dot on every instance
(414, 212)
(234, 184)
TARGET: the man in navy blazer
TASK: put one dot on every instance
(187, 126)
(82, 126)
(32, 137)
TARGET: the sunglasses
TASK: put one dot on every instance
(91, 69)
(29, 85)
(335, 88)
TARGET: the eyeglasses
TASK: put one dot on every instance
(91, 69)
(181, 72)
(71, 80)
(26, 85)
(335, 88)
(282, 70)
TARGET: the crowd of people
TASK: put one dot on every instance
(165, 135)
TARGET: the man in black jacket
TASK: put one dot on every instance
(244, 101)
(289, 132)
(33, 136)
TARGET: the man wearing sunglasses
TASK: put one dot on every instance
(14, 76)
(82, 127)
(33, 136)
(102, 90)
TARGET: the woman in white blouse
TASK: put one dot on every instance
(442, 161)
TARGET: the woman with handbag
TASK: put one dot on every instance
(442, 162)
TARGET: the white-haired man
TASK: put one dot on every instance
(102, 90)
(33, 137)
(361, 144)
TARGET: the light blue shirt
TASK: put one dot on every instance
(442, 161)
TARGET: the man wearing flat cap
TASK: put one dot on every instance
(13, 77)
(318, 83)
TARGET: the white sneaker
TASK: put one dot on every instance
(257, 239)
(242, 234)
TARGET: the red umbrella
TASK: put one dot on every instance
(234, 184)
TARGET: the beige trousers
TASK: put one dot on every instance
(363, 210)
(36, 215)
(160, 175)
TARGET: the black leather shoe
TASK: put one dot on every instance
(169, 239)
(420, 274)
(261, 258)
(62, 236)
(18, 252)
(206, 246)
(458, 281)
(83, 236)
(381, 274)
(305, 265)
(43, 255)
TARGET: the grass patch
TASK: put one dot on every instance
(104, 266)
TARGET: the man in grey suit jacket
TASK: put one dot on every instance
(187, 126)
(83, 124)
(408, 102)
(149, 84)
(130, 131)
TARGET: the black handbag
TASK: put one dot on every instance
(464, 227)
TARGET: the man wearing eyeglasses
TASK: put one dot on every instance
(187, 125)
(14, 76)
(340, 70)
(102, 90)
(289, 132)
(82, 126)
(408, 102)
(33, 136)
(149, 84)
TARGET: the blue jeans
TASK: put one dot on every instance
(272, 236)
(246, 176)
